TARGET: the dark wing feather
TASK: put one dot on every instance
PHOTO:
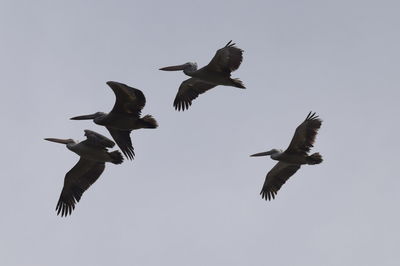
(77, 181)
(97, 140)
(189, 90)
(278, 175)
(226, 59)
(123, 140)
(128, 100)
(304, 135)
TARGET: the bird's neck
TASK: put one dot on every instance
(101, 119)
(188, 72)
(71, 146)
(190, 69)
(276, 156)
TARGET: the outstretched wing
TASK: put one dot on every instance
(304, 135)
(123, 140)
(276, 177)
(97, 140)
(226, 59)
(128, 100)
(77, 181)
(189, 90)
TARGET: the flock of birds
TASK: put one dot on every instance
(126, 116)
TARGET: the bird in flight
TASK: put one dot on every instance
(290, 160)
(124, 117)
(93, 156)
(217, 72)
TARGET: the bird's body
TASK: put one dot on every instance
(93, 156)
(289, 158)
(90, 152)
(120, 121)
(293, 157)
(217, 72)
(124, 117)
(213, 77)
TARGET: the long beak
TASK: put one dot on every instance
(173, 68)
(261, 154)
(84, 117)
(62, 141)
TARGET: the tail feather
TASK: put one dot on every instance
(116, 157)
(149, 122)
(314, 158)
(238, 83)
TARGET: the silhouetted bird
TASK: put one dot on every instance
(124, 117)
(217, 72)
(93, 156)
(293, 157)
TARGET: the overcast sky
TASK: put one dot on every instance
(191, 196)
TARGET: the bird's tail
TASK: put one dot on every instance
(314, 158)
(148, 121)
(238, 83)
(116, 157)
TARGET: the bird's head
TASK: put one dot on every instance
(187, 67)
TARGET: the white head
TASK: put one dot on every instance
(187, 68)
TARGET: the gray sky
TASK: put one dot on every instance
(191, 195)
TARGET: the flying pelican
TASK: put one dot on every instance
(293, 157)
(124, 117)
(217, 72)
(93, 156)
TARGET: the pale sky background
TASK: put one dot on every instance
(191, 196)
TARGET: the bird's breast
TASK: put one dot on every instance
(91, 153)
(291, 158)
(121, 122)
